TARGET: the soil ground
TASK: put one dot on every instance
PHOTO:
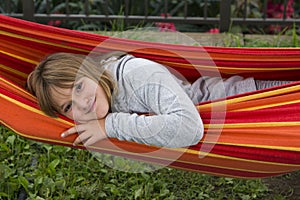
(286, 185)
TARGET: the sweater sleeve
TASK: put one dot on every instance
(172, 121)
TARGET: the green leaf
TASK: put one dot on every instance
(39, 180)
(79, 179)
(47, 147)
(24, 182)
(138, 193)
(60, 184)
(11, 140)
(6, 171)
(39, 198)
(4, 147)
(2, 194)
(54, 163)
(164, 192)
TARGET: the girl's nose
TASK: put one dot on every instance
(82, 103)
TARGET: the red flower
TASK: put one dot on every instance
(276, 10)
(214, 30)
(54, 23)
(163, 26)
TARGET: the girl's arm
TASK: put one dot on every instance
(173, 120)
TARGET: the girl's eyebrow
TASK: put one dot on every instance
(76, 83)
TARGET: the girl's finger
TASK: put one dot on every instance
(69, 132)
(76, 141)
(74, 129)
(90, 141)
(83, 137)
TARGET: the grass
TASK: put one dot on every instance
(32, 170)
(41, 171)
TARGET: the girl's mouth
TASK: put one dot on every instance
(93, 105)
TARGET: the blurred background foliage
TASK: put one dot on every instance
(196, 8)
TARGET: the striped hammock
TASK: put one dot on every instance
(256, 135)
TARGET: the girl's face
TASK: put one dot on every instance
(85, 101)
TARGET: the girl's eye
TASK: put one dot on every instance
(67, 107)
(78, 87)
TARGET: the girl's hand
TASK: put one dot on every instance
(88, 133)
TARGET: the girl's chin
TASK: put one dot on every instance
(101, 116)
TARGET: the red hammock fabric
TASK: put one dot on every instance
(248, 136)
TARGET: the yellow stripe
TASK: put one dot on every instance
(40, 41)
(275, 92)
(24, 75)
(199, 67)
(252, 125)
(282, 148)
(268, 105)
(19, 57)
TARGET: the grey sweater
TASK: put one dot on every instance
(152, 106)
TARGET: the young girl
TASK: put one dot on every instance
(121, 96)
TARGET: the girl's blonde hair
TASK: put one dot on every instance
(61, 70)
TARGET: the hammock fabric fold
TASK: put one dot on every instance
(257, 135)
